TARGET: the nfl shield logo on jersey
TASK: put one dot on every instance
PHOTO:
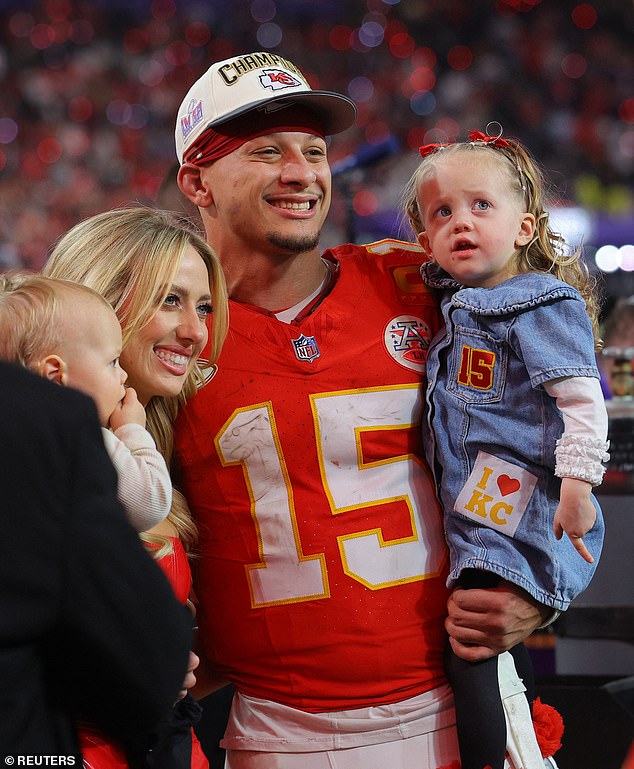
(306, 348)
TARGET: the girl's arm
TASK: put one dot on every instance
(579, 455)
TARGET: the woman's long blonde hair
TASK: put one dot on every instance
(130, 256)
(546, 251)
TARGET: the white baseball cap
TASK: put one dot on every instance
(255, 81)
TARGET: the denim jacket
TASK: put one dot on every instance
(491, 428)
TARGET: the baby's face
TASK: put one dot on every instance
(91, 353)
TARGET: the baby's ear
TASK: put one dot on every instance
(53, 368)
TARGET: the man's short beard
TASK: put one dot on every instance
(297, 244)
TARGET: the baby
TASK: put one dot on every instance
(69, 334)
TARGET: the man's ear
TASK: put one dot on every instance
(527, 230)
(191, 184)
(423, 242)
(53, 368)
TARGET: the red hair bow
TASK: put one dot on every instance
(474, 136)
(496, 141)
(427, 149)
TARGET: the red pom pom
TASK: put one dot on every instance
(549, 727)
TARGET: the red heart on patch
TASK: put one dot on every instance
(507, 485)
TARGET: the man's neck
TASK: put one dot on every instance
(272, 283)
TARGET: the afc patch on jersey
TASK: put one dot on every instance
(406, 339)
(306, 348)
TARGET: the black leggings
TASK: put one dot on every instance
(481, 725)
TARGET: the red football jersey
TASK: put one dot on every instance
(321, 576)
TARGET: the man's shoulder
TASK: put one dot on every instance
(385, 263)
(387, 249)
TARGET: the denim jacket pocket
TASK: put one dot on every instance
(477, 366)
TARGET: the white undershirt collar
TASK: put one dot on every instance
(289, 315)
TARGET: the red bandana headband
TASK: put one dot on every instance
(215, 143)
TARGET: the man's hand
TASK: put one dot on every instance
(482, 623)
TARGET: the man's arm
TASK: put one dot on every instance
(482, 623)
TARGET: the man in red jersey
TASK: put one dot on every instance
(321, 576)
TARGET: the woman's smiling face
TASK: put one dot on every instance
(161, 354)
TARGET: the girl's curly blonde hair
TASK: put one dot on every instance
(546, 251)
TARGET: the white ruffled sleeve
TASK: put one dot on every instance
(582, 449)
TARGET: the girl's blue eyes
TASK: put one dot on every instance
(479, 205)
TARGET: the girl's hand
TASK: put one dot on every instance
(575, 514)
(128, 411)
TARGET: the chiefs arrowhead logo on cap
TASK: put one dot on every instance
(277, 79)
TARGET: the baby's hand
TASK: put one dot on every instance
(575, 514)
(190, 678)
(128, 411)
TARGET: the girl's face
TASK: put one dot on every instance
(473, 219)
(159, 357)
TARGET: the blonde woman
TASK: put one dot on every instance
(165, 284)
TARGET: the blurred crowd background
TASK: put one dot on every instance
(89, 90)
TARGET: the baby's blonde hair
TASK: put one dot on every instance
(130, 256)
(546, 250)
(31, 308)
